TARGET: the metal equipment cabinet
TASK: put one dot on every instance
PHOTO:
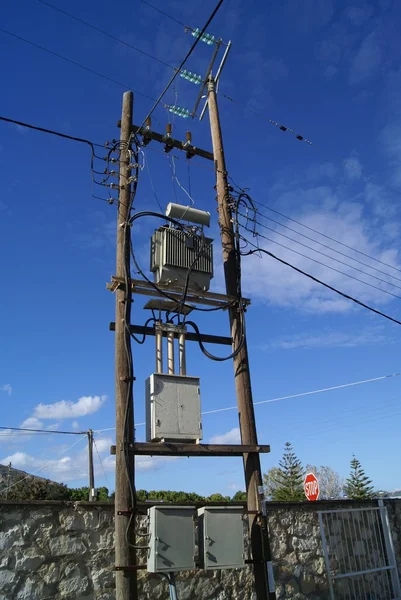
(173, 411)
(221, 537)
(172, 539)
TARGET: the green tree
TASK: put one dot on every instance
(290, 477)
(271, 481)
(358, 485)
(239, 497)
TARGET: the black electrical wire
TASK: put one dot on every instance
(142, 341)
(375, 287)
(341, 262)
(44, 431)
(106, 33)
(53, 132)
(188, 54)
(164, 13)
(212, 356)
(76, 64)
(326, 285)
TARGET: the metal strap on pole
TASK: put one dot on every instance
(170, 353)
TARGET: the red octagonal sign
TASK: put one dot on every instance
(311, 487)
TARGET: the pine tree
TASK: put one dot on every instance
(289, 478)
(358, 485)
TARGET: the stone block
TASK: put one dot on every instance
(64, 545)
(29, 563)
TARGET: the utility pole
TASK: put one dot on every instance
(125, 557)
(90, 463)
(264, 585)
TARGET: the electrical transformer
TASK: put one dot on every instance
(173, 410)
(179, 258)
(171, 539)
(221, 537)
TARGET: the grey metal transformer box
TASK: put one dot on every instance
(221, 537)
(173, 410)
(175, 253)
(172, 539)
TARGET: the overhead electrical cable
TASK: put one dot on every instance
(52, 132)
(319, 281)
(73, 62)
(43, 430)
(341, 262)
(314, 240)
(289, 397)
(106, 33)
(257, 234)
(188, 54)
(46, 464)
(163, 13)
(326, 236)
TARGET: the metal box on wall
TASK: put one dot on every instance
(221, 537)
(173, 410)
(172, 539)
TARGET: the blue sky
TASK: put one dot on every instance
(331, 71)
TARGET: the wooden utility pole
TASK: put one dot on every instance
(90, 463)
(264, 585)
(125, 557)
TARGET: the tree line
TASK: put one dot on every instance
(282, 484)
(285, 482)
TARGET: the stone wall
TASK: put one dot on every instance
(56, 550)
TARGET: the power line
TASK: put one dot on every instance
(326, 285)
(280, 398)
(325, 235)
(101, 464)
(164, 13)
(257, 234)
(52, 131)
(43, 430)
(188, 54)
(5, 489)
(311, 393)
(314, 250)
(303, 139)
(76, 64)
(106, 33)
(260, 214)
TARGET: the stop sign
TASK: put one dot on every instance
(311, 487)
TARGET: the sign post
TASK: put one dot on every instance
(311, 487)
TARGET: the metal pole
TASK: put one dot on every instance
(159, 350)
(126, 581)
(182, 353)
(264, 587)
(170, 353)
(389, 545)
(91, 469)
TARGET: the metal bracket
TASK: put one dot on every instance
(126, 512)
(129, 568)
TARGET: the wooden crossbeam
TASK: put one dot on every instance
(182, 449)
(190, 337)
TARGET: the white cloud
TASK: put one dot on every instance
(230, 437)
(367, 60)
(272, 282)
(75, 425)
(329, 339)
(66, 409)
(32, 423)
(6, 388)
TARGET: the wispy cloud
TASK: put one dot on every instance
(230, 437)
(329, 339)
(66, 409)
(7, 389)
(32, 423)
(359, 15)
(367, 60)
